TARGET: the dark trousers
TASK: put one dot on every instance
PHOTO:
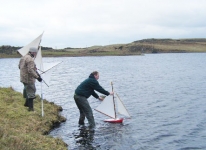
(29, 94)
(84, 110)
(29, 90)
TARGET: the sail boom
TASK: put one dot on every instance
(105, 114)
(48, 66)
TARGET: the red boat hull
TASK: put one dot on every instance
(117, 120)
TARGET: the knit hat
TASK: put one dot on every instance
(33, 49)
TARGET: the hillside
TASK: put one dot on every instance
(134, 48)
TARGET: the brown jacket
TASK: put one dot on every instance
(27, 69)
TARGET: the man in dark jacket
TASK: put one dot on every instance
(84, 91)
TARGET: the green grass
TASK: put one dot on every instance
(24, 130)
(169, 45)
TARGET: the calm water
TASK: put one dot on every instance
(164, 93)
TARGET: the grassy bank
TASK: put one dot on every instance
(24, 130)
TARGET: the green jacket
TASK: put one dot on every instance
(87, 87)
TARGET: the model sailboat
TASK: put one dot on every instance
(108, 108)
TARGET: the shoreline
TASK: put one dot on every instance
(95, 55)
(139, 47)
(21, 129)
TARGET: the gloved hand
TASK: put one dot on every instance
(39, 79)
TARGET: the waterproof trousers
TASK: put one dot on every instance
(29, 90)
(29, 94)
(84, 110)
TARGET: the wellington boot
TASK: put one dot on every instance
(26, 104)
(31, 109)
(81, 119)
(30, 103)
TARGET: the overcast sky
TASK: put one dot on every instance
(84, 23)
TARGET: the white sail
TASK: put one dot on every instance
(38, 60)
(107, 107)
(48, 66)
(121, 108)
(35, 43)
(47, 72)
(46, 77)
(44, 68)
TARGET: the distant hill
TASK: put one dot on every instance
(135, 48)
(171, 45)
(11, 51)
(146, 46)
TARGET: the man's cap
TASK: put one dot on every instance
(33, 49)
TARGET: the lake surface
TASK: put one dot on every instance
(164, 93)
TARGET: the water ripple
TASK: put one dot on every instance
(164, 93)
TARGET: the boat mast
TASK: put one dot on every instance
(113, 101)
